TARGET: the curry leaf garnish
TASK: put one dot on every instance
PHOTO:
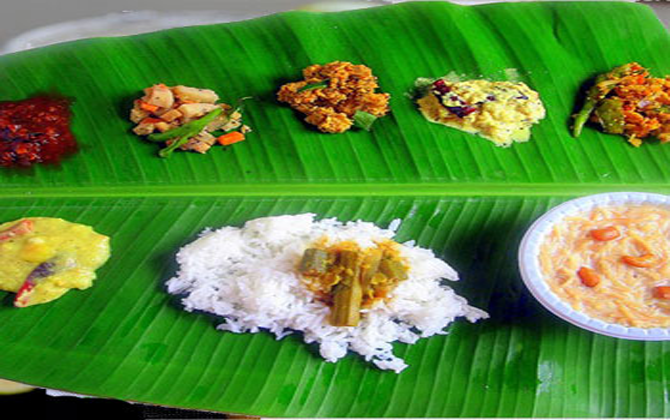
(318, 85)
(364, 120)
(239, 105)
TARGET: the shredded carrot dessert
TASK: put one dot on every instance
(336, 96)
(611, 263)
(629, 102)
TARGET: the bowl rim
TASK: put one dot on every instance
(533, 279)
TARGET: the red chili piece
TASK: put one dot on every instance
(35, 130)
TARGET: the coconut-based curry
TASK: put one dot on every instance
(502, 112)
(41, 258)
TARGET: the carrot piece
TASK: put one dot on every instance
(605, 234)
(647, 260)
(588, 276)
(148, 107)
(230, 138)
(662, 292)
(150, 120)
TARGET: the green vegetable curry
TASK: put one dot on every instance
(349, 278)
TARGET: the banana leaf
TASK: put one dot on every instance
(458, 194)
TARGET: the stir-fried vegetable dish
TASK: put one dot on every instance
(628, 101)
(186, 118)
(337, 96)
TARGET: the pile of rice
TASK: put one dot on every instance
(249, 276)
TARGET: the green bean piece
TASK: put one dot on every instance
(593, 96)
(393, 269)
(239, 107)
(166, 152)
(364, 120)
(190, 129)
(347, 294)
(314, 262)
(603, 85)
(610, 115)
(369, 268)
(582, 117)
(318, 85)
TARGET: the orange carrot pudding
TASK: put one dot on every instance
(611, 263)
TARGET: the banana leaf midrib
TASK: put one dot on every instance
(326, 190)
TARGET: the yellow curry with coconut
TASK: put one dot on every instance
(41, 258)
(502, 112)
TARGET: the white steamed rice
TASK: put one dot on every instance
(248, 275)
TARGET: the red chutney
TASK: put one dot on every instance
(35, 130)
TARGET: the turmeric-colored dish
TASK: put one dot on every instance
(628, 101)
(611, 263)
(349, 279)
(42, 258)
(336, 96)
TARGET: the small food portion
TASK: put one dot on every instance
(608, 233)
(345, 286)
(41, 258)
(348, 278)
(35, 130)
(186, 118)
(627, 101)
(502, 112)
(611, 263)
(336, 96)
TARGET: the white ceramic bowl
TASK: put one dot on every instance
(532, 275)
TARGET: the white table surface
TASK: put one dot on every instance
(18, 16)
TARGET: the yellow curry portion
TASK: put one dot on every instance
(502, 112)
(41, 258)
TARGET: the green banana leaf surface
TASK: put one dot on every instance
(458, 194)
